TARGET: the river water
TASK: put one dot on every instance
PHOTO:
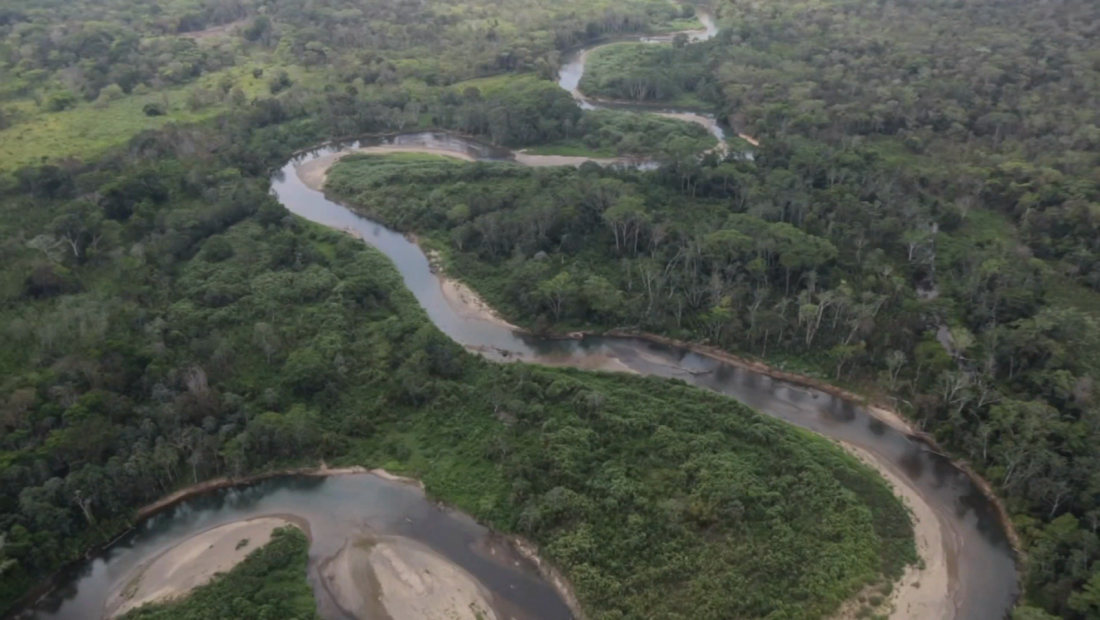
(980, 561)
(337, 509)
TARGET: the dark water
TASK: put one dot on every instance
(980, 559)
(336, 509)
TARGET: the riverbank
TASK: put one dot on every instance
(177, 571)
(924, 591)
(402, 567)
(393, 578)
(315, 172)
(407, 571)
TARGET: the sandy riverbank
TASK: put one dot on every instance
(193, 562)
(923, 592)
(392, 578)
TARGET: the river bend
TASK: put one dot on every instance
(978, 558)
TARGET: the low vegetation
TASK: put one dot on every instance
(608, 133)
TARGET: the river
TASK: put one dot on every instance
(978, 562)
(337, 510)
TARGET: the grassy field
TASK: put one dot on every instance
(88, 129)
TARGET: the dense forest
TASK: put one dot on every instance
(171, 322)
(920, 222)
(79, 77)
(269, 583)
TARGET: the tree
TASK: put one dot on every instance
(601, 295)
(305, 371)
(1087, 600)
(627, 217)
(557, 291)
(154, 109)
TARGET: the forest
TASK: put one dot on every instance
(171, 322)
(896, 231)
(920, 223)
(154, 349)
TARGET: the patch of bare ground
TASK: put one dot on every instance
(179, 570)
(397, 579)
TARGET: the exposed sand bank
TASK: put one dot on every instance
(394, 578)
(923, 592)
(747, 138)
(192, 563)
(540, 161)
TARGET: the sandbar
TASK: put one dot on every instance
(393, 578)
(191, 563)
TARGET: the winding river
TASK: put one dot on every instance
(969, 571)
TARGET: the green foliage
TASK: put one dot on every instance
(640, 72)
(607, 133)
(269, 583)
(173, 58)
(827, 255)
(211, 334)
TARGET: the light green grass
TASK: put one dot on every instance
(87, 130)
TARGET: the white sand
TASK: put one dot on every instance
(541, 161)
(399, 579)
(468, 304)
(192, 563)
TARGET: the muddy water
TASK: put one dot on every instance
(572, 70)
(335, 510)
(979, 558)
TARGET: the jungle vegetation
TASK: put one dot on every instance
(169, 321)
(919, 222)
